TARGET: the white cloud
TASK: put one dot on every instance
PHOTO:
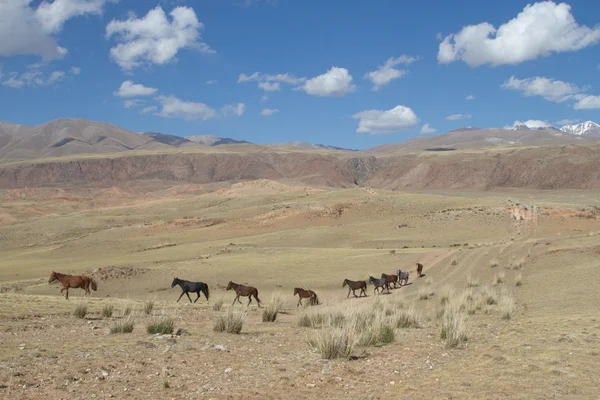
(455, 117)
(385, 121)
(172, 107)
(149, 109)
(387, 73)
(264, 98)
(153, 39)
(470, 97)
(587, 103)
(34, 78)
(269, 86)
(25, 30)
(427, 129)
(130, 89)
(266, 112)
(336, 82)
(566, 122)
(549, 89)
(133, 103)
(530, 123)
(211, 82)
(75, 70)
(233, 109)
(538, 31)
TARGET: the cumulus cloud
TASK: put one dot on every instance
(233, 109)
(587, 103)
(153, 39)
(172, 107)
(149, 109)
(269, 82)
(427, 129)
(336, 82)
(27, 30)
(269, 86)
(35, 78)
(539, 30)
(531, 124)
(386, 121)
(455, 117)
(266, 112)
(130, 89)
(75, 70)
(387, 73)
(470, 97)
(133, 103)
(549, 89)
(264, 98)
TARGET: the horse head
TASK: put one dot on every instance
(229, 285)
(371, 279)
(175, 282)
(52, 277)
(296, 291)
(345, 281)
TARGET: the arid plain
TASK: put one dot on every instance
(538, 249)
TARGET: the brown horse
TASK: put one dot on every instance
(419, 270)
(241, 290)
(306, 294)
(355, 285)
(73, 281)
(391, 279)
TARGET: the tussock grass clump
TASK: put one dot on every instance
(107, 310)
(407, 318)
(454, 262)
(499, 278)
(472, 282)
(148, 306)
(453, 328)
(80, 311)
(162, 325)
(127, 310)
(217, 305)
(425, 293)
(230, 323)
(270, 312)
(507, 307)
(490, 296)
(124, 325)
(428, 281)
(332, 342)
(519, 279)
(493, 263)
(445, 294)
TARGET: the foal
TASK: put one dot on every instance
(355, 285)
(74, 281)
(241, 290)
(306, 294)
(194, 287)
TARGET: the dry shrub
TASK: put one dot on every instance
(453, 328)
(519, 279)
(332, 342)
(127, 310)
(80, 311)
(407, 318)
(445, 294)
(493, 263)
(270, 312)
(490, 295)
(107, 310)
(425, 293)
(471, 282)
(507, 306)
(148, 306)
(124, 325)
(162, 325)
(217, 305)
(428, 281)
(499, 278)
(230, 323)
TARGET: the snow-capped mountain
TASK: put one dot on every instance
(588, 128)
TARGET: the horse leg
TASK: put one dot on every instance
(67, 296)
(249, 300)
(236, 298)
(348, 293)
(299, 301)
(198, 293)
(182, 293)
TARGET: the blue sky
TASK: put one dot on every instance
(349, 73)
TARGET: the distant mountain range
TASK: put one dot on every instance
(63, 137)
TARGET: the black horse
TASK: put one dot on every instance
(194, 287)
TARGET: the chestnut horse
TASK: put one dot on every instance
(73, 281)
(419, 270)
(355, 285)
(391, 279)
(306, 294)
(241, 290)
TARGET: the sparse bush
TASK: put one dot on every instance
(445, 293)
(507, 307)
(148, 306)
(499, 278)
(162, 325)
(332, 342)
(80, 311)
(230, 323)
(425, 293)
(270, 312)
(493, 263)
(490, 296)
(387, 333)
(392, 251)
(217, 305)
(519, 279)
(454, 262)
(127, 310)
(107, 310)
(453, 325)
(124, 325)
(472, 282)
(407, 318)
(428, 281)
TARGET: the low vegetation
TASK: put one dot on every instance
(275, 305)
(230, 322)
(124, 325)
(519, 279)
(148, 306)
(499, 278)
(80, 311)
(161, 325)
(453, 326)
(107, 310)
(217, 305)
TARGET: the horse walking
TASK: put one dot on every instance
(194, 287)
(402, 276)
(419, 270)
(379, 283)
(391, 279)
(306, 294)
(241, 290)
(355, 285)
(75, 282)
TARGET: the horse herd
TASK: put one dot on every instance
(187, 287)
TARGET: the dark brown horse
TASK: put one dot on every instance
(306, 294)
(74, 281)
(390, 279)
(419, 270)
(241, 290)
(355, 285)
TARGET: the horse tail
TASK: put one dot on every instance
(206, 292)
(315, 299)
(94, 284)
(256, 295)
